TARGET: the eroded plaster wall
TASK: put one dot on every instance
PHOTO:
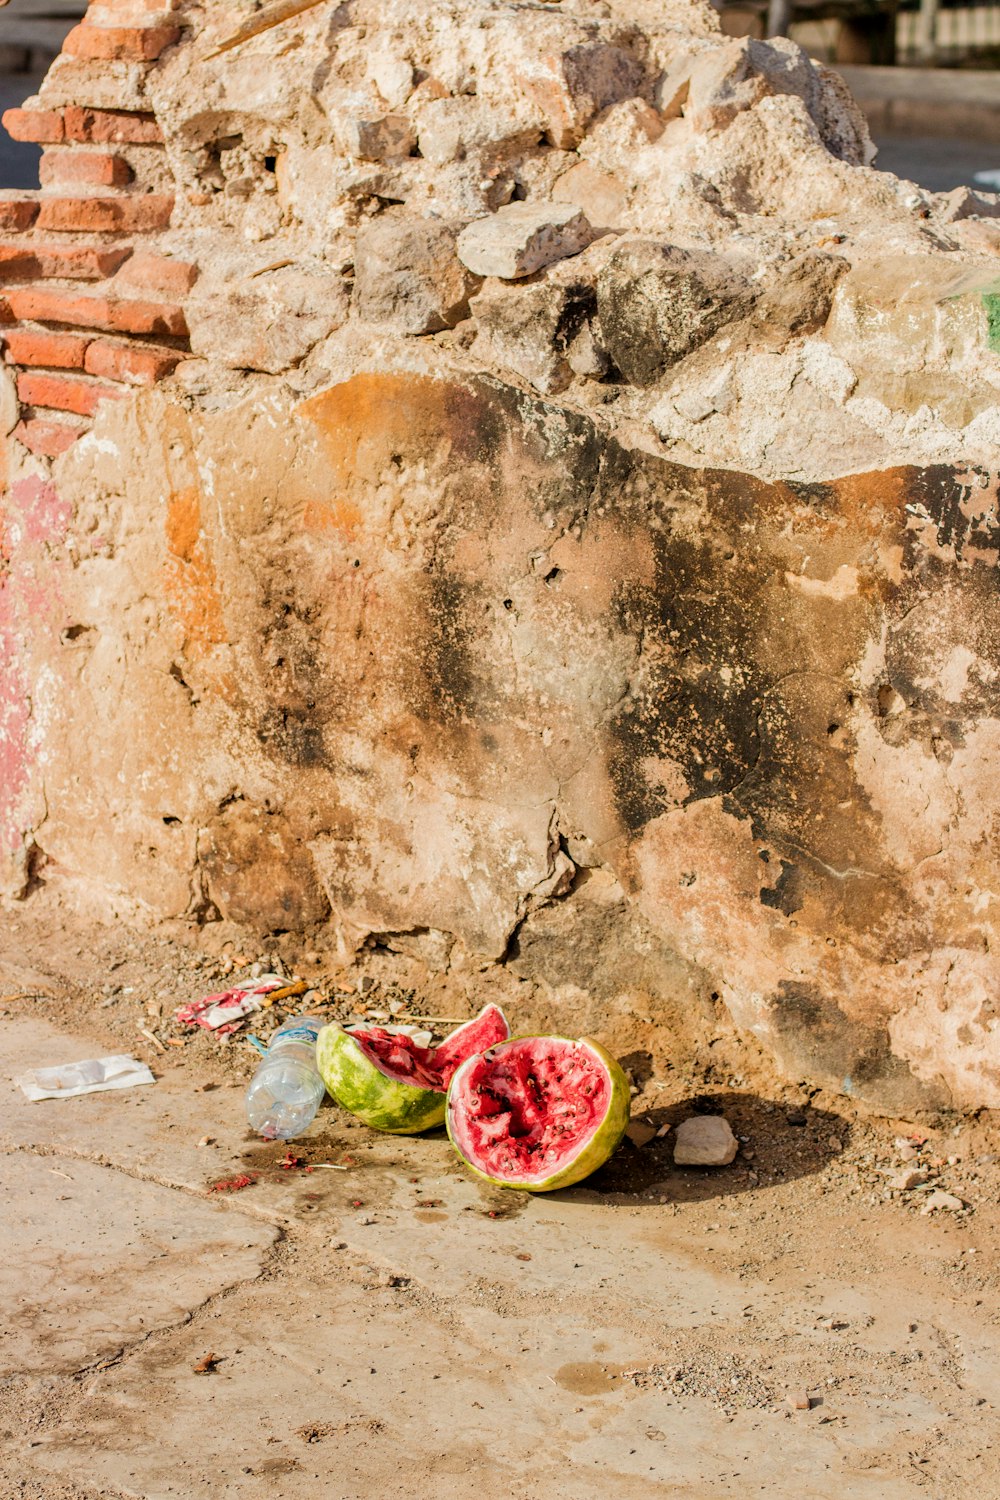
(640, 602)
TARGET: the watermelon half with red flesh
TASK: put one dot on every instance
(539, 1112)
(390, 1082)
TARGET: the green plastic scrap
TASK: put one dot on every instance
(991, 302)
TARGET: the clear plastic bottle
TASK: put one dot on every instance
(286, 1090)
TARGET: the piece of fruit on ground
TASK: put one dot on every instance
(538, 1113)
(392, 1084)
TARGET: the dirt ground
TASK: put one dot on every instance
(792, 1325)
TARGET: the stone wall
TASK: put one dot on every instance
(567, 545)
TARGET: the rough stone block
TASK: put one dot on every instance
(799, 298)
(964, 203)
(266, 322)
(530, 329)
(95, 83)
(599, 195)
(656, 304)
(570, 89)
(521, 238)
(449, 130)
(383, 138)
(408, 275)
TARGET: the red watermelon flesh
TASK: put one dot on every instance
(400, 1059)
(530, 1107)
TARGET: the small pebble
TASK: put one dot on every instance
(704, 1141)
(945, 1201)
(908, 1179)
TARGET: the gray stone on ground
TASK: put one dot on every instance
(521, 238)
(704, 1141)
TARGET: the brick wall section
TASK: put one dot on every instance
(88, 309)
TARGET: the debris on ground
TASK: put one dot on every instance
(206, 1365)
(704, 1141)
(225, 1011)
(93, 1076)
(235, 1184)
(944, 1201)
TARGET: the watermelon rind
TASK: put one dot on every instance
(602, 1144)
(379, 1101)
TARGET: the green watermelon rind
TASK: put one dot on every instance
(378, 1101)
(600, 1148)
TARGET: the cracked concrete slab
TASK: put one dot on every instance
(330, 1390)
(96, 1260)
(417, 1333)
(130, 1129)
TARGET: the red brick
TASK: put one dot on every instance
(132, 363)
(124, 43)
(17, 214)
(46, 304)
(19, 263)
(65, 392)
(37, 346)
(139, 213)
(45, 126)
(161, 274)
(134, 9)
(48, 438)
(111, 127)
(30, 261)
(93, 168)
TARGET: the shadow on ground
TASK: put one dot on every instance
(777, 1145)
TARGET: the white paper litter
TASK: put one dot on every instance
(221, 1015)
(92, 1076)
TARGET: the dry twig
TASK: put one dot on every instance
(272, 15)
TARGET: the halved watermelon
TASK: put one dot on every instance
(538, 1113)
(392, 1084)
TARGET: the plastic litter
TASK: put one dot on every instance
(286, 1090)
(93, 1076)
(224, 1011)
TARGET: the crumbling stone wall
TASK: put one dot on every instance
(568, 541)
